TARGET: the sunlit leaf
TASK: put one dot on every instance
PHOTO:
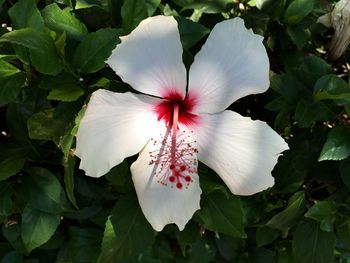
(92, 52)
(337, 145)
(63, 21)
(41, 47)
(297, 10)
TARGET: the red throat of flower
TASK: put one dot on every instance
(165, 109)
(176, 161)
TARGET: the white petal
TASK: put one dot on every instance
(233, 63)
(162, 202)
(241, 151)
(150, 57)
(115, 126)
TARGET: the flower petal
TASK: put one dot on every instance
(162, 200)
(115, 126)
(233, 63)
(241, 151)
(150, 58)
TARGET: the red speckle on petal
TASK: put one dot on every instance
(165, 109)
(179, 185)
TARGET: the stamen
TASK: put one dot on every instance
(176, 162)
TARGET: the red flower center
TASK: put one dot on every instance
(165, 109)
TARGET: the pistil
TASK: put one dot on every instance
(175, 124)
(175, 157)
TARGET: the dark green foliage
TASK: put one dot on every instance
(51, 60)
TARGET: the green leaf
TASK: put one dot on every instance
(101, 83)
(16, 117)
(11, 82)
(297, 10)
(63, 21)
(265, 5)
(81, 4)
(65, 143)
(133, 12)
(63, 87)
(37, 227)
(7, 69)
(12, 257)
(221, 213)
(24, 14)
(229, 247)
(337, 145)
(204, 6)
(66, 93)
(331, 87)
(294, 165)
(305, 113)
(273, 7)
(265, 235)
(190, 32)
(120, 177)
(203, 251)
(12, 159)
(324, 212)
(312, 68)
(22, 53)
(299, 35)
(44, 126)
(188, 236)
(69, 164)
(152, 6)
(84, 244)
(6, 191)
(261, 255)
(10, 88)
(310, 244)
(77, 120)
(290, 215)
(92, 52)
(343, 234)
(12, 233)
(60, 44)
(44, 191)
(108, 241)
(344, 168)
(208, 186)
(52, 124)
(42, 49)
(132, 233)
